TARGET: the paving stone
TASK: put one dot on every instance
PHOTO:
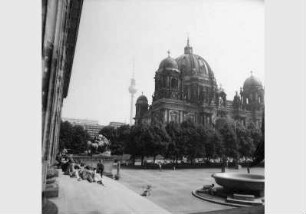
(172, 189)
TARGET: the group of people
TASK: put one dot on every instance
(79, 170)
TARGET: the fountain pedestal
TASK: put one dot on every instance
(236, 190)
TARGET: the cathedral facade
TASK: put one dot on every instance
(186, 89)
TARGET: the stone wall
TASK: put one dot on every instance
(60, 21)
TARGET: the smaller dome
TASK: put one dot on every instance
(168, 64)
(142, 100)
(252, 82)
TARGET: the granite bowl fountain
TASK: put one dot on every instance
(234, 189)
(245, 183)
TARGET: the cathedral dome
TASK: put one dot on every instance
(168, 64)
(252, 83)
(142, 100)
(191, 64)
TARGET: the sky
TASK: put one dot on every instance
(228, 34)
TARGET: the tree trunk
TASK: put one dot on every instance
(154, 158)
(133, 160)
(142, 158)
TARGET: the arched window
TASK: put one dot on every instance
(174, 117)
(174, 83)
(160, 82)
(164, 81)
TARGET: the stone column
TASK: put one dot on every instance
(168, 115)
(52, 24)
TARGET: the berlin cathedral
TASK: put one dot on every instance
(186, 89)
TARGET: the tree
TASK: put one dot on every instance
(73, 137)
(147, 140)
(157, 141)
(218, 142)
(245, 142)
(123, 138)
(111, 134)
(255, 133)
(192, 140)
(259, 154)
(229, 139)
(174, 131)
(135, 146)
(213, 146)
(65, 137)
(79, 139)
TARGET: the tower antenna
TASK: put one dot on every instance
(132, 91)
(188, 40)
(133, 68)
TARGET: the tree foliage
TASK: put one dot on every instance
(229, 139)
(245, 141)
(214, 145)
(255, 133)
(123, 138)
(73, 138)
(174, 132)
(173, 140)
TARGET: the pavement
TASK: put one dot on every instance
(241, 210)
(172, 189)
(171, 193)
(82, 197)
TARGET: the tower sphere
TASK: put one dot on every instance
(132, 88)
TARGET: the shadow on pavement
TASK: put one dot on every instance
(241, 210)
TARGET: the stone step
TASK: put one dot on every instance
(51, 173)
(51, 190)
(51, 180)
(245, 202)
(244, 197)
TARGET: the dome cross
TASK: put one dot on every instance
(168, 53)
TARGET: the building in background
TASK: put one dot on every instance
(116, 124)
(91, 126)
(186, 89)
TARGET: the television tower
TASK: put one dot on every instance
(132, 91)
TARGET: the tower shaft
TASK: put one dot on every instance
(131, 110)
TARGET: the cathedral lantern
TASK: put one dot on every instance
(252, 93)
(167, 80)
(141, 108)
(199, 84)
